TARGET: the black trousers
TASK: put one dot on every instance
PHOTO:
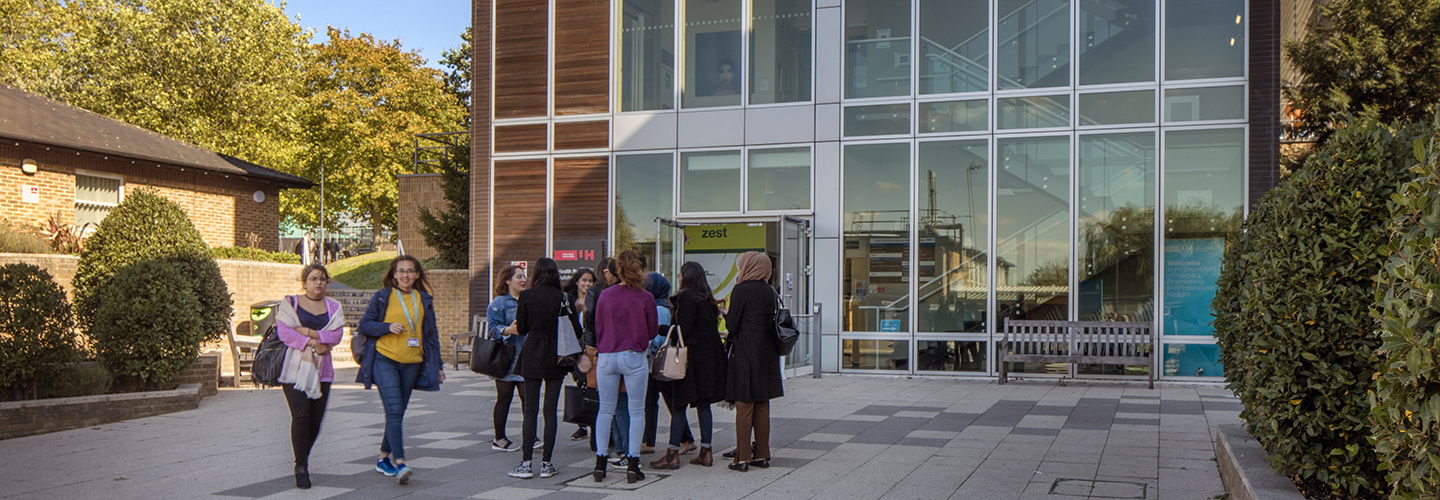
(504, 393)
(305, 417)
(531, 407)
(653, 391)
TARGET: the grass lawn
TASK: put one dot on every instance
(363, 271)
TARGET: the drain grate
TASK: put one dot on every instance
(1098, 489)
(614, 482)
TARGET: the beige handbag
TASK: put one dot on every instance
(671, 360)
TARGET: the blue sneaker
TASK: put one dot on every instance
(384, 466)
(402, 473)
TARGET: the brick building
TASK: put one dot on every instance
(59, 159)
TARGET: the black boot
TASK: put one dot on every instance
(632, 470)
(599, 473)
(302, 477)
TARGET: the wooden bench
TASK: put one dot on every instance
(1088, 342)
(464, 342)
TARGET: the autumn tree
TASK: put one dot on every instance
(366, 100)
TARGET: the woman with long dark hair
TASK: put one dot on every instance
(500, 323)
(400, 353)
(754, 369)
(541, 309)
(309, 320)
(698, 316)
(575, 290)
(625, 322)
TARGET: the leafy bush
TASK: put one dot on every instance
(15, 238)
(1293, 308)
(254, 254)
(146, 227)
(150, 325)
(36, 328)
(1405, 409)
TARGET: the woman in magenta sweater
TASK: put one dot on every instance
(309, 321)
(625, 322)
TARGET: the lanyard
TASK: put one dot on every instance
(406, 308)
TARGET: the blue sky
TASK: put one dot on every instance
(432, 26)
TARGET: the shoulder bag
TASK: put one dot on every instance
(269, 360)
(785, 333)
(491, 356)
(670, 361)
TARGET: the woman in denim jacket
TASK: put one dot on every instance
(500, 323)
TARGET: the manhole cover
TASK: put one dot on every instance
(614, 481)
(1098, 489)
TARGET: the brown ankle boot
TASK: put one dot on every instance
(704, 458)
(670, 461)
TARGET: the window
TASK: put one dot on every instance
(710, 181)
(647, 55)
(778, 179)
(1204, 39)
(876, 224)
(1034, 112)
(712, 53)
(1034, 38)
(1116, 227)
(1116, 108)
(779, 51)
(879, 119)
(877, 48)
(954, 46)
(1204, 203)
(1117, 41)
(953, 116)
(1208, 103)
(954, 196)
(642, 193)
(94, 198)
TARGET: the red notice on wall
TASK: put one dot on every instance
(30, 194)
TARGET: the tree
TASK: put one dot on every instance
(449, 232)
(457, 81)
(367, 100)
(1379, 54)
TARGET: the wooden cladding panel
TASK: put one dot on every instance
(519, 211)
(582, 191)
(518, 138)
(582, 135)
(521, 57)
(480, 272)
(582, 57)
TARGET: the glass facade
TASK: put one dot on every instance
(877, 48)
(647, 55)
(640, 194)
(779, 51)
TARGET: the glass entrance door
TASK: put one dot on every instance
(793, 280)
(669, 256)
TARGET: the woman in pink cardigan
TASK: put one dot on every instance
(309, 321)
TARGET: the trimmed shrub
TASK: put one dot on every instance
(255, 254)
(149, 326)
(147, 227)
(1293, 308)
(1405, 407)
(37, 334)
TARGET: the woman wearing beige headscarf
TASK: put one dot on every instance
(754, 370)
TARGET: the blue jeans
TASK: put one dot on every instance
(634, 370)
(680, 426)
(620, 426)
(396, 381)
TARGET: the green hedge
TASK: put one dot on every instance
(1293, 308)
(1405, 405)
(37, 336)
(255, 254)
(149, 325)
(147, 227)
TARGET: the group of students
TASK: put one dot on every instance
(621, 316)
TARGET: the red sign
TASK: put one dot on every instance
(574, 255)
(518, 263)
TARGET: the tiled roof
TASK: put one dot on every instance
(34, 118)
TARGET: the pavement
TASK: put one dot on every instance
(835, 437)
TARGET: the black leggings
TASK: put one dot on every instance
(504, 393)
(305, 417)
(531, 409)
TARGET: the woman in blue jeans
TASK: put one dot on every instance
(399, 353)
(625, 322)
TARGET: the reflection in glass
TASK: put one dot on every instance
(712, 54)
(875, 354)
(1114, 108)
(953, 116)
(1117, 41)
(638, 201)
(882, 119)
(710, 181)
(1208, 103)
(954, 46)
(778, 179)
(647, 55)
(952, 276)
(1204, 195)
(779, 51)
(1117, 227)
(1204, 39)
(1032, 231)
(1034, 44)
(1033, 112)
(877, 48)
(877, 237)
(1192, 360)
(947, 356)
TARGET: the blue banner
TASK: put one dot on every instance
(1192, 266)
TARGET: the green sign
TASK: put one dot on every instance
(737, 237)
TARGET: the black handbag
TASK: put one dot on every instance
(269, 359)
(491, 356)
(785, 332)
(582, 404)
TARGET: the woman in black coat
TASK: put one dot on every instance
(753, 376)
(537, 316)
(698, 316)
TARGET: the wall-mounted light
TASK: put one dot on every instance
(29, 166)
(259, 196)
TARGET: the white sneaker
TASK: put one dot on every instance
(523, 471)
(547, 470)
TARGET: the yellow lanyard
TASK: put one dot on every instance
(406, 309)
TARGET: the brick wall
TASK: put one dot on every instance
(60, 267)
(221, 206)
(451, 290)
(417, 191)
(24, 418)
(205, 372)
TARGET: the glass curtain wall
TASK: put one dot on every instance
(779, 51)
(1204, 39)
(710, 181)
(642, 192)
(647, 55)
(712, 53)
(952, 273)
(1034, 44)
(1032, 233)
(778, 179)
(954, 46)
(877, 48)
(1117, 41)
